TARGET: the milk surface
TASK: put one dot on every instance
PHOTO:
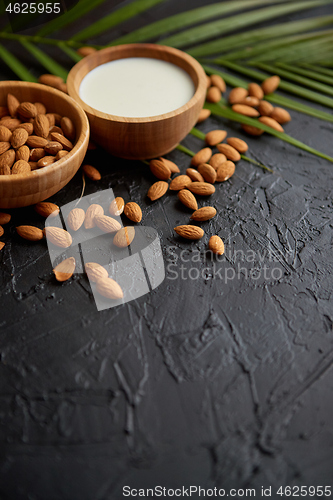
(137, 87)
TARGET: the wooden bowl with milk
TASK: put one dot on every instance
(141, 99)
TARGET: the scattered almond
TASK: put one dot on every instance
(237, 94)
(93, 211)
(225, 171)
(215, 136)
(133, 211)
(209, 82)
(47, 209)
(250, 129)
(117, 206)
(30, 233)
(91, 172)
(213, 94)
(250, 101)
(188, 199)
(238, 144)
(207, 172)
(230, 152)
(51, 80)
(280, 115)
(217, 159)
(217, 81)
(245, 110)
(109, 288)
(255, 90)
(267, 120)
(216, 245)
(190, 232)
(75, 218)
(202, 156)
(21, 167)
(1, 245)
(107, 224)
(160, 169)
(201, 188)
(58, 236)
(95, 271)
(157, 190)
(85, 51)
(194, 175)
(65, 269)
(174, 169)
(270, 84)
(203, 214)
(1, 231)
(4, 218)
(265, 108)
(124, 237)
(203, 115)
(180, 182)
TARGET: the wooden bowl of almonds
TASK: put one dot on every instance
(44, 136)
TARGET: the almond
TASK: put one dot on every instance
(245, 110)
(92, 211)
(190, 232)
(203, 214)
(157, 190)
(12, 105)
(202, 156)
(51, 119)
(65, 269)
(213, 94)
(201, 188)
(1, 245)
(47, 209)
(34, 141)
(5, 170)
(4, 146)
(4, 218)
(188, 199)
(124, 237)
(267, 120)
(208, 81)
(238, 144)
(270, 84)
(225, 171)
(230, 152)
(217, 159)
(194, 175)
(11, 123)
(95, 271)
(21, 167)
(19, 137)
(237, 94)
(41, 126)
(36, 154)
(27, 110)
(133, 211)
(250, 101)
(203, 115)
(117, 206)
(1, 231)
(280, 115)
(41, 109)
(217, 81)
(85, 51)
(55, 129)
(75, 218)
(216, 245)
(265, 108)
(91, 172)
(215, 136)
(51, 80)
(207, 172)
(52, 148)
(255, 90)
(57, 120)
(109, 288)
(30, 233)
(174, 169)
(61, 154)
(68, 128)
(33, 165)
(7, 159)
(45, 161)
(28, 127)
(160, 169)
(66, 144)
(249, 129)
(22, 153)
(107, 224)
(180, 182)
(58, 236)
(5, 134)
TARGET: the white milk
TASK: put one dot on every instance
(137, 87)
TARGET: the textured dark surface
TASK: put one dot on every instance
(207, 381)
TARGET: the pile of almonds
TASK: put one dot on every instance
(31, 138)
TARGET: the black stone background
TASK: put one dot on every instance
(201, 382)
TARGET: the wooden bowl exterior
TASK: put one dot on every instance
(141, 138)
(24, 190)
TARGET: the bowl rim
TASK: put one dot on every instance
(74, 74)
(41, 172)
